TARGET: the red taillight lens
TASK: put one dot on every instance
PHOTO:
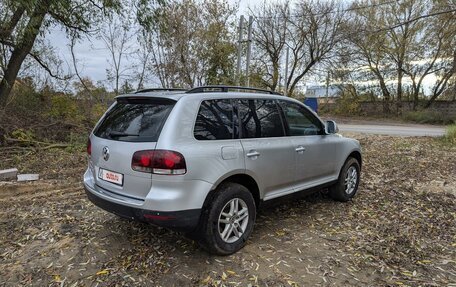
(159, 162)
(89, 147)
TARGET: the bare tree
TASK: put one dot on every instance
(190, 43)
(269, 38)
(317, 31)
(403, 38)
(369, 50)
(117, 37)
(82, 81)
(311, 30)
(142, 56)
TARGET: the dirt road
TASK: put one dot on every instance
(408, 130)
(399, 231)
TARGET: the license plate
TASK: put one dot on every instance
(110, 176)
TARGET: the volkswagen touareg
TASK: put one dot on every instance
(201, 161)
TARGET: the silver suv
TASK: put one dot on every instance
(202, 161)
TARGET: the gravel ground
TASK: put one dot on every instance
(400, 230)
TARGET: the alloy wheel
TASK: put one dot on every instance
(233, 220)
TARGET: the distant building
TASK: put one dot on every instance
(322, 92)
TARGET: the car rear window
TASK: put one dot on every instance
(135, 120)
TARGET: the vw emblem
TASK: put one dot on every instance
(105, 153)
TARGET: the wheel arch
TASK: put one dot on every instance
(356, 155)
(240, 178)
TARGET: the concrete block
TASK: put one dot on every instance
(8, 174)
(28, 177)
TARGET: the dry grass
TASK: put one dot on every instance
(399, 230)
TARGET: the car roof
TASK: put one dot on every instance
(204, 92)
(178, 95)
(174, 95)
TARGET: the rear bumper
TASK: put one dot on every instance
(183, 221)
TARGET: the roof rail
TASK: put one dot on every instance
(160, 90)
(225, 89)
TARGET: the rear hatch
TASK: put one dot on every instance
(131, 125)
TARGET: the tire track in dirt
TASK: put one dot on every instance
(15, 198)
(17, 193)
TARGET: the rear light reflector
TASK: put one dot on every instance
(159, 162)
(158, 217)
(89, 147)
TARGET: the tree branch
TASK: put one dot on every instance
(44, 66)
(7, 29)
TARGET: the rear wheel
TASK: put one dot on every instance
(228, 220)
(347, 184)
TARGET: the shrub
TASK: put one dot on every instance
(24, 98)
(96, 112)
(65, 108)
(428, 117)
(347, 106)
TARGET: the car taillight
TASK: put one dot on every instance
(89, 147)
(159, 162)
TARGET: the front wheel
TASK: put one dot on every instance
(228, 220)
(347, 184)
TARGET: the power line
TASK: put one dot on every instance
(416, 19)
(329, 12)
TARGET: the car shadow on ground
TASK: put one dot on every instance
(270, 216)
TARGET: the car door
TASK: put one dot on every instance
(314, 150)
(268, 154)
(218, 150)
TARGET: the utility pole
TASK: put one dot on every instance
(286, 71)
(249, 48)
(327, 87)
(238, 68)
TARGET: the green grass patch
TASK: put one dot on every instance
(451, 134)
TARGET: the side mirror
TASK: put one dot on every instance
(331, 127)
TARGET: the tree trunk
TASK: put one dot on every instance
(275, 75)
(386, 97)
(21, 50)
(299, 77)
(399, 91)
(415, 99)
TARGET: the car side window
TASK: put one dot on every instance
(215, 121)
(301, 122)
(260, 119)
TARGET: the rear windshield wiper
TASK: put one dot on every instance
(120, 134)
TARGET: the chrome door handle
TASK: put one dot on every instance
(300, 149)
(253, 153)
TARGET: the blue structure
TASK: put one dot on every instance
(312, 103)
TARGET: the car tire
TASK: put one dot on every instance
(347, 184)
(226, 211)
